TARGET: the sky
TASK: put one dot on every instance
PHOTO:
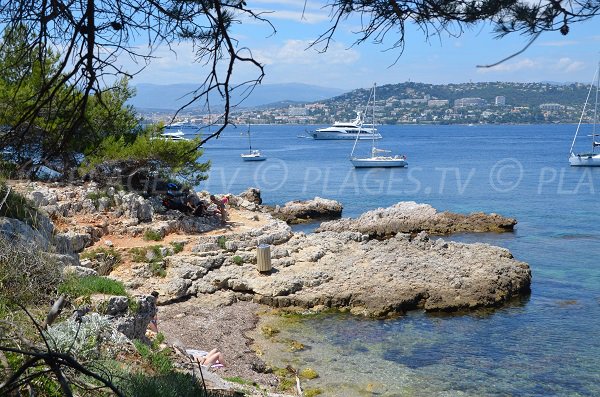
(288, 58)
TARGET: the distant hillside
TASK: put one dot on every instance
(173, 96)
(516, 94)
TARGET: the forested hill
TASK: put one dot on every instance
(516, 94)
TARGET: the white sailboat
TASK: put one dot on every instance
(377, 159)
(591, 158)
(252, 155)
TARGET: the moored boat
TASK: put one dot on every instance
(589, 158)
(347, 130)
(377, 159)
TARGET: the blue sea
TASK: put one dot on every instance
(544, 344)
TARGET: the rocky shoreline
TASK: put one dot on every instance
(381, 264)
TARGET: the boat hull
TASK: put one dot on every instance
(253, 158)
(585, 160)
(344, 136)
(378, 163)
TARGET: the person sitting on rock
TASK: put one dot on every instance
(197, 206)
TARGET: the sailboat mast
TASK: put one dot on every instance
(373, 123)
(596, 108)
(587, 99)
(249, 140)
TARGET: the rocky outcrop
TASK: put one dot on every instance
(129, 318)
(349, 270)
(305, 211)
(410, 217)
(14, 229)
(251, 195)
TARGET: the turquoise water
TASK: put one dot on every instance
(545, 344)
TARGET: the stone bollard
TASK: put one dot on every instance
(263, 258)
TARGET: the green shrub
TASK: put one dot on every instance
(27, 275)
(177, 246)
(170, 160)
(152, 235)
(138, 254)
(85, 286)
(237, 260)
(221, 241)
(102, 251)
(84, 339)
(96, 196)
(18, 207)
(105, 258)
(171, 384)
(159, 360)
(146, 254)
(157, 269)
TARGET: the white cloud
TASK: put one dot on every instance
(511, 67)
(560, 43)
(568, 65)
(297, 52)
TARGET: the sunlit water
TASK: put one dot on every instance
(545, 344)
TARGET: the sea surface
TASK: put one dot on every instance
(545, 344)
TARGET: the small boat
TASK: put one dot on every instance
(183, 127)
(377, 159)
(347, 130)
(253, 154)
(173, 136)
(591, 158)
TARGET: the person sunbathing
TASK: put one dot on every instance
(212, 359)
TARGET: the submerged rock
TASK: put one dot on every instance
(410, 217)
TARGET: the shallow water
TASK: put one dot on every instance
(542, 345)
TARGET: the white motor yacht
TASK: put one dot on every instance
(348, 130)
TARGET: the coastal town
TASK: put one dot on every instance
(419, 103)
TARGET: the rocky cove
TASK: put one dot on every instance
(383, 263)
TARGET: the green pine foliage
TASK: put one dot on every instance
(178, 160)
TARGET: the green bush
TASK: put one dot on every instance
(152, 235)
(27, 274)
(19, 207)
(221, 241)
(237, 260)
(177, 246)
(169, 160)
(171, 384)
(106, 259)
(86, 286)
(158, 359)
(157, 269)
(138, 254)
(96, 196)
(102, 251)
